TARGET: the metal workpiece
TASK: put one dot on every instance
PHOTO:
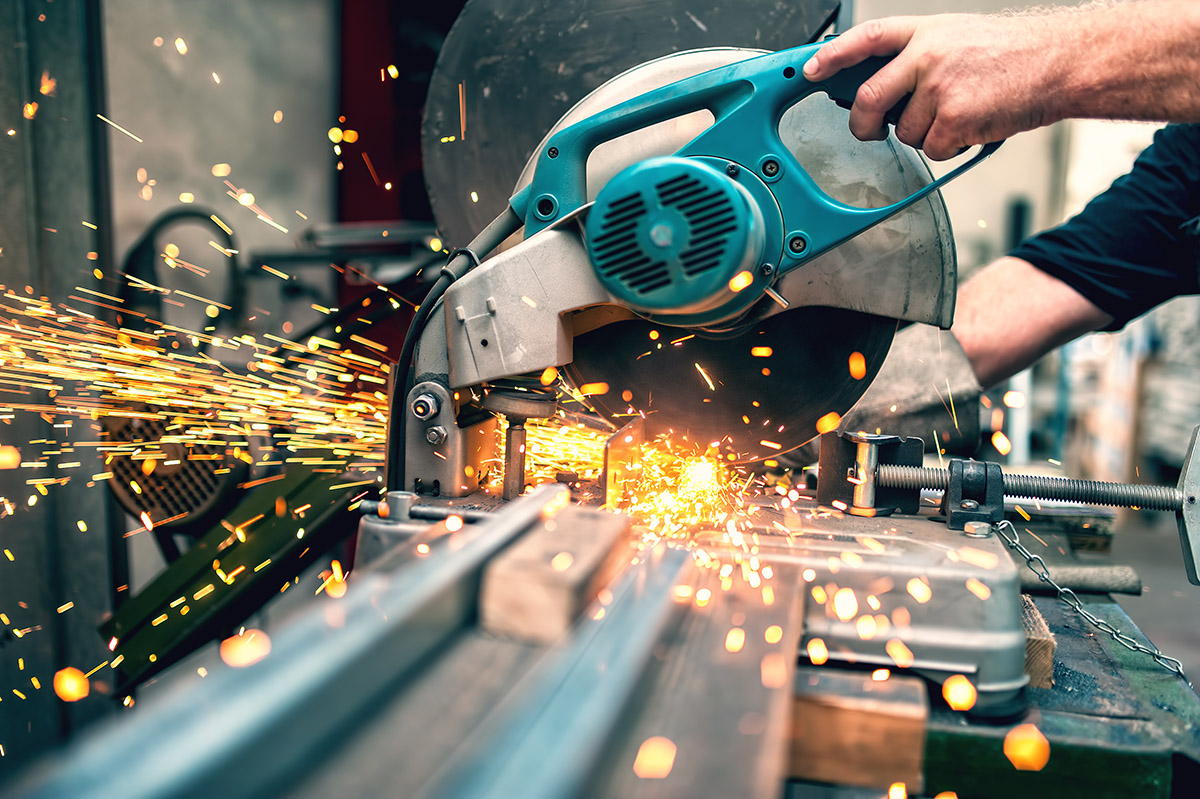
(255, 731)
(507, 316)
(547, 737)
(442, 458)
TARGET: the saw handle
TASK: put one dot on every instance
(747, 100)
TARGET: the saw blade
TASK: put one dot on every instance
(509, 69)
(759, 393)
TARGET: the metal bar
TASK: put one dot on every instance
(250, 732)
(557, 728)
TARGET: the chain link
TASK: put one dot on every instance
(1069, 598)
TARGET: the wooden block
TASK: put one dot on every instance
(848, 729)
(1039, 645)
(534, 590)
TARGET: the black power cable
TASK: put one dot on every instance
(461, 262)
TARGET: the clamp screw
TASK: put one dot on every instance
(552, 152)
(732, 170)
(797, 244)
(766, 270)
(969, 504)
(770, 168)
(435, 435)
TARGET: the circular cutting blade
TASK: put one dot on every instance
(510, 68)
(760, 392)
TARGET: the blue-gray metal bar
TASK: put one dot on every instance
(250, 733)
(556, 729)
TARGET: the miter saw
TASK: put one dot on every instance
(703, 245)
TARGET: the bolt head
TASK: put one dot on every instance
(766, 270)
(770, 168)
(435, 434)
(969, 504)
(977, 529)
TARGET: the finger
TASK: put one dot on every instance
(878, 95)
(913, 126)
(945, 140)
(874, 37)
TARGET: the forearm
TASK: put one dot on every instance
(1132, 60)
(1012, 313)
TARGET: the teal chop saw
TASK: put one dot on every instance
(698, 242)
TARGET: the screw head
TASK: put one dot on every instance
(770, 168)
(797, 244)
(436, 434)
(732, 170)
(662, 235)
(766, 270)
(969, 504)
(552, 152)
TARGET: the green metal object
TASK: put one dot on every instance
(241, 563)
(1117, 725)
(747, 100)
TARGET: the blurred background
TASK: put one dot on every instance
(285, 118)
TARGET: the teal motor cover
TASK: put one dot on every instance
(672, 236)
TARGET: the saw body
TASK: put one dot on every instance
(681, 262)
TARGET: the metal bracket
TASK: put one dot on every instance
(975, 493)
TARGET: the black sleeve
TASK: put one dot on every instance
(1135, 245)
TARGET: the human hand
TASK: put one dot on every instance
(972, 79)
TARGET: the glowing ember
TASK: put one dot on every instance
(899, 653)
(919, 590)
(978, 588)
(246, 648)
(1001, 442)
(735, 639)
(818, 652)
(897, 790)
(845, 604)
(829, 422)
(655, 758)
(741, 281)
(1027, 748)
(773, 634)
(858, 366)
(959, 692)
(71, 684)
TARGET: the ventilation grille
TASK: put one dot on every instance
(188, 491)
(618, 255)
(711, 220)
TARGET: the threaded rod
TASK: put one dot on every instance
(1088, 492)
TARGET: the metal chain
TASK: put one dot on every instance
(1069, 598)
